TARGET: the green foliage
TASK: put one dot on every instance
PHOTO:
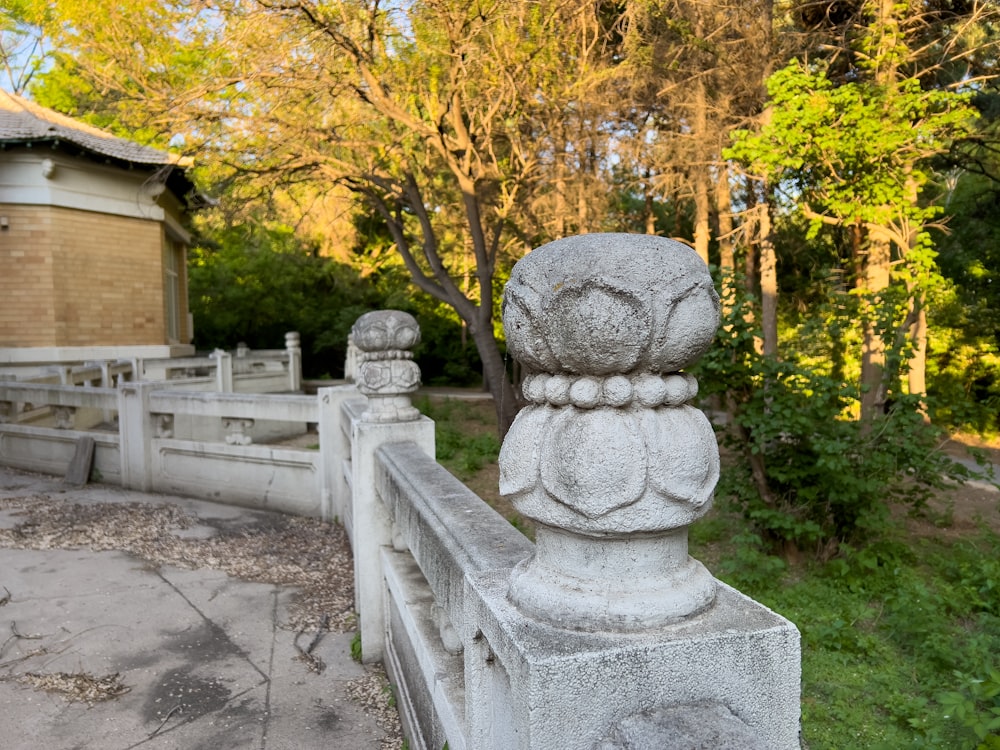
(964, 362)
(459, 451)
(254, 283)
(356, 647)
(748, 565)
(257, 283)
(975, 706)
(899, 637)
(823, 478)
(859, 154)
(853, 148)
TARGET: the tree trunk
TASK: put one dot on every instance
(506, 399)
(700, 181)
(724, 209)
(768, 282)
(559, 207)
(751, 261)
(917, 371)
(877, 266)
(649, 215)
(917, 374)
(857, 256)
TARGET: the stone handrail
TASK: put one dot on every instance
(58, 395)
(274, 406)
(448, 529)
(157, 435)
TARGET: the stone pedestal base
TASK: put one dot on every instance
(544, 687)
(612, 583)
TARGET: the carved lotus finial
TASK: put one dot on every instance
(609, 451)
(599, 304)
(385, 330)
(609, 442)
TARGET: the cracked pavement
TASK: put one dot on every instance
(205, 658)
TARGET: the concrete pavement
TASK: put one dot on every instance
(202, 659)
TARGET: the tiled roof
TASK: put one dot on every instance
(23, 121)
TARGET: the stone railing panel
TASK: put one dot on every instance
(449, 530)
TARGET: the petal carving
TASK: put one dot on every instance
(597, 329)
(594, 461)
(519, 453)
(683, 454)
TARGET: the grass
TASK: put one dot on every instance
(467, 445)
(900, 640)
(465, 433)
(893, 636)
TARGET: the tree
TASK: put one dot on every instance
(857, 154)
(429, 113)
(258, 281)
(22, 44)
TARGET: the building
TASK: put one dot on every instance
(92, 242)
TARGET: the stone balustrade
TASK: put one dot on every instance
(181, 434)
(604, 633)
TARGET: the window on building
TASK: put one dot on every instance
(173, 266)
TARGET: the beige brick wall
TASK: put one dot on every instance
(27, 309)
(99, 279)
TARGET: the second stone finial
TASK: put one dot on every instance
(386, 373)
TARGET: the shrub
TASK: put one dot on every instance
(814, 476)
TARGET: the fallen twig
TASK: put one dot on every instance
(30, 655)
(313, 662)
(15, 636)
(323, 625)
(13, 629)
(170, 713)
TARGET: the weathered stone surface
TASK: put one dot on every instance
(534, 684)
(385, 330)
(600, 304)
(695, 726)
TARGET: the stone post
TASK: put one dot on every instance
(10, 411)
(294, 348)
(107, 381)
(351, 360)
(223, 370)
(335, 451)
(610, 635)
(387, 375)
(136, 429)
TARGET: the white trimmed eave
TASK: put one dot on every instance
(42, 176)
